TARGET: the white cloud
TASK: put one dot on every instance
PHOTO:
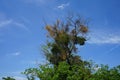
(21, 26)
(5, 23)
(62, 6)
(104, 39)
(16, 54)
(112, 49)
(19, 78)
(25, 20)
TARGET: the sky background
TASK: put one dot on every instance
(22, 31)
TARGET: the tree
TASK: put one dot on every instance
(64, 64)
(60, 52)
(65, 37)
(105, 73)
(8, 78)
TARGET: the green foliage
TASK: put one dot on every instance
(81, 40)
(65, 37)
(105, 73)
(64, 64)
(8, 78)
(75, 72)
(44, 72)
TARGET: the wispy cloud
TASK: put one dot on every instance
(62, 6)
(16, 54)
(112, 49)
(21, 25)
(25, 20)
(6, 23)
(104, 39)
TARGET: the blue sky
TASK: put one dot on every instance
(22, 31)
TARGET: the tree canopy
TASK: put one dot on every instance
(61, 53)
(65, 36)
